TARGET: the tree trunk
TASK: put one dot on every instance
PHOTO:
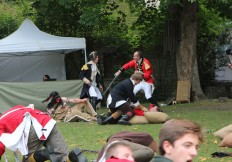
(186, 57)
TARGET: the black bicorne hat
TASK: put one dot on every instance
(229, 51)
(93, 55)
(55, 100)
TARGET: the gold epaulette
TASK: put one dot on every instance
(146, 66)
(84, 67)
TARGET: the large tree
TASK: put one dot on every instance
(186, 13)
(186, 55)
(106, 23)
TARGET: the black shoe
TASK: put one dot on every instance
(220, 154)
(100, 119)
(104, 121)
(41, 155)
(124, 120)
(93, 102)
(159, 109)
(76, 156)
(153, 101)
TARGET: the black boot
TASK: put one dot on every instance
(100, 119)
(76, 156)
(97, 102)
(152, 100)
(39, 156)
(93, 102)
(104, 120)
(124, 120)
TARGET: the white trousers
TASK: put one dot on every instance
(95, 92)
(148, 88)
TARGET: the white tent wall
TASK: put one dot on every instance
(32, 68)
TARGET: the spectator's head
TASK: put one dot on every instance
(137, 77)
(137, 55)
(229, 51)
(46, 77)
(93, 56)
(119, 150)
(179, 140)
(53, 101)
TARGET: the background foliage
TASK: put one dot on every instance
(125, 25)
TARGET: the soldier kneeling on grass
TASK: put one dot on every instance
(27, 130)
(117, 101)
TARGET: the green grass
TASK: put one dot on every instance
(211, 114)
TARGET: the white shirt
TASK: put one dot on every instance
(94, 74)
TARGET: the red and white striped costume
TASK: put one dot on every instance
(15, 127)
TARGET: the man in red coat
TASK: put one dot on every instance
(144, 66)
(27, 130)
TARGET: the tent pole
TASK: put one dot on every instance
(85, 56)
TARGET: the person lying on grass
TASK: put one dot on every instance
(179, 141)
(142, 115)
(61, 108)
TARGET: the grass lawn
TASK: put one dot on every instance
(211, 114)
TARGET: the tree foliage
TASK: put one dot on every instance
(93, 20)
(58, 17)
(123, 24)
(10, 18)
(212, 26)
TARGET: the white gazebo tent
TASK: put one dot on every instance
(25, 56)
(28, 54)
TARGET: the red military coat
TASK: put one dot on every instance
(145, 68)
(15, 127)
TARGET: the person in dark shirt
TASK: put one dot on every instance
(91, 77)
(117, 100)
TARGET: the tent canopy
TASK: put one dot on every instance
(28, 54)
(28, 38)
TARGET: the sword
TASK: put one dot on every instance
(88, 150)
(110, 85)
(6, 159)
(16, 157)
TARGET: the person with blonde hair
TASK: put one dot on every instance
(118, 151)
(141, 144)
(144, 66)
(179, 141)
